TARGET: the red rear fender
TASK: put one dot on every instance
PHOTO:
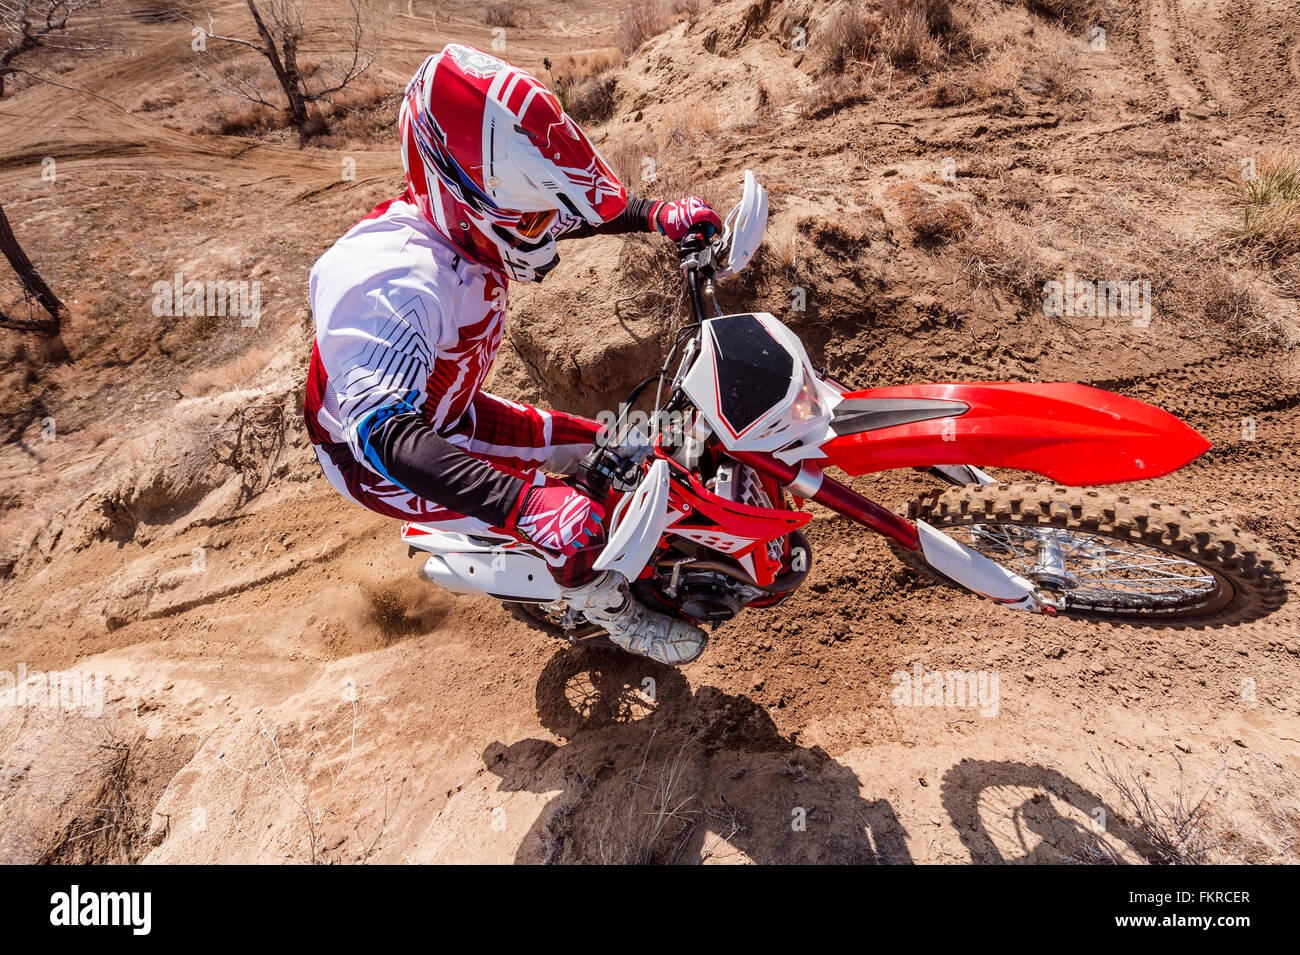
(1070, 433)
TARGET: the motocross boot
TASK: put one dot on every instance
(607, 602)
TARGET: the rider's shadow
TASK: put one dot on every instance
(653, 772)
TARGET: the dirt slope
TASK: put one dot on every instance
(282, 688)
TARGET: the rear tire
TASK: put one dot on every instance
(1126, 558)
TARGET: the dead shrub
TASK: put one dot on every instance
(907, 33)
(500, 15)
(247, 119)
(591, 101)
(363, 112)
(1011, 263)
(839, 90)
(236, 373)
(1056, 76)
(934, 221)
(573, 68)
(851, 38)
(951, 92)
(641, 20)
(1079, 14)
(909, 37)
(1178, 831)
(837, 236)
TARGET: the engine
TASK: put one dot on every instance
(711, 597)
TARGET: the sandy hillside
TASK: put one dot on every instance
(282, 688)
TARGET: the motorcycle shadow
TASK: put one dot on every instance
(653, 771)
(1017, 813)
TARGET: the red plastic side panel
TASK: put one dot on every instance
(1070, 433)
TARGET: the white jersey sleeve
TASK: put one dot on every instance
(378, 299)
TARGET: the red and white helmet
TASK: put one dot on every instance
(491, 159)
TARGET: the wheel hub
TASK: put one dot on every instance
(1049, 566)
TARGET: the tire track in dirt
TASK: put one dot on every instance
(1161, 29)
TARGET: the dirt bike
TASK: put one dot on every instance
(705, 498)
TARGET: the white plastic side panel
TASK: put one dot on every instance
(974, 571)
(635, 535)
(466, 566)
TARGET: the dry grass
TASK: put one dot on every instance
(573, 68)
(246, 119)
(641, 20)
(662, 157)
(591, 101)
(500, 15)
(236, 373)
(1268, 203)
(1178, 830)
(839, 90)
(583, 83)
(915, 33)
(1056, 76)
(309, 783)
(659, 815)
(1189, 829)
(1006, 257)
(907, 33)
(933, 221)
(1079, 14)
(850, 38)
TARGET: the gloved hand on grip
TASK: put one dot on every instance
(677, 219)
(558, 518)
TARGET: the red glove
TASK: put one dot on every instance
(557, 518)
(676, 219)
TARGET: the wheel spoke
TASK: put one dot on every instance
(1105, 572)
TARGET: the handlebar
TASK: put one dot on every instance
(697, 254)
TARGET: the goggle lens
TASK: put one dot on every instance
(531, 225)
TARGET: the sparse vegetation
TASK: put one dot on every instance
(1179, 830)
(904, 33)
(934, 221)
(500, 15)
(65, 26)
(1054, 75)
(1267, 195)
(1080, 14)
(282, 29)
(592, 100)
(641, 19)
(276, 772)
(584, 83)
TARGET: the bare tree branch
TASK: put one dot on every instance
(28, 25)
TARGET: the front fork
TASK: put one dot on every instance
(951, 558)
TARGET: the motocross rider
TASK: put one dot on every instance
(409, 307)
